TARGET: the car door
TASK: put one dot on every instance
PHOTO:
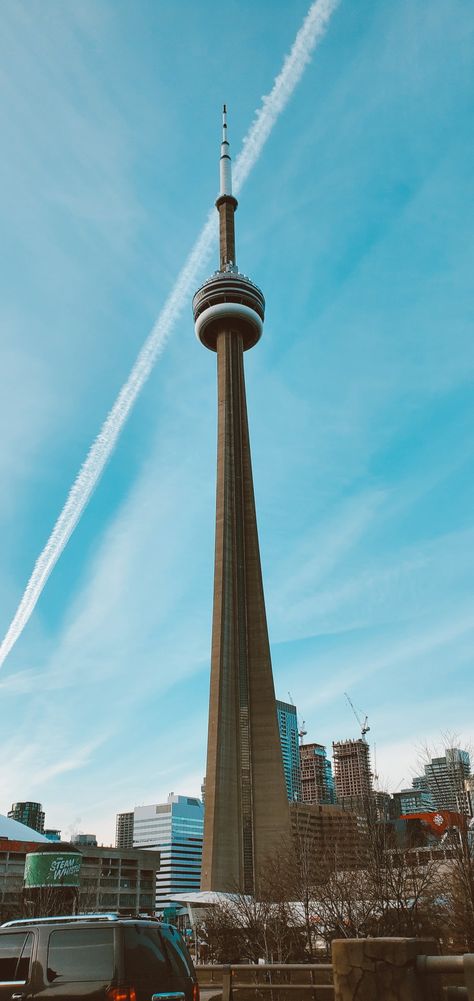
(15, 965)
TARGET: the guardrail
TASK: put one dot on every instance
(317, 978)
(267, 977)
(402, 969)
(461, 966)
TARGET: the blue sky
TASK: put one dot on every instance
(357, 224)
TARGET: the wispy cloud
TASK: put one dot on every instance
(390, 653)
(319, 552)
(272, 106)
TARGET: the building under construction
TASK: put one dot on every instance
(317, 784)
(352, 773)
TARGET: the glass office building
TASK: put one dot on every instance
(288, 727)
(175, 829)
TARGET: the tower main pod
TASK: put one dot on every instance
(247, 811)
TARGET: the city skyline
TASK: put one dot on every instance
(446, 771)
(364, 249)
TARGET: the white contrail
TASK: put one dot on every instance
(311, 31)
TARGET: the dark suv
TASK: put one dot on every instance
(98, 957)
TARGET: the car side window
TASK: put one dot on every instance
(80, 955)
(177, 952)
(11, 948)
(145, 957)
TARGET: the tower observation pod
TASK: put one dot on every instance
(228, 297)
(247, 812)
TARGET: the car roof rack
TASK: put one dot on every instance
(108, 916)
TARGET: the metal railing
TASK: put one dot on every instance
(267, 977)
(461, 966)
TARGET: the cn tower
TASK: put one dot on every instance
(247, 810)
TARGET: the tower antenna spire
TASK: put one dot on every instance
(225, 162)
(226, 204)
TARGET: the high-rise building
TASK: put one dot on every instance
(418, 799)
(408, 801)
(382, 806)
(352, 774)
(124, 830)
(468, 798)
(445, 777)
(317, 783)
(175, 828)
(31, 814)
(420, 784)
(247, 811)
(289, 740)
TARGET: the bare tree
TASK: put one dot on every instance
(247, 928)
(345, 904)
(11, 905)
(456, 891)
(388, 889)
(220, 935)
(282, 890)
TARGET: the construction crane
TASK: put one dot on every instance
(375, 774)
(364, 726)
(302, 732)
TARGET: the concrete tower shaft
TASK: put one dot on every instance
(247, 812)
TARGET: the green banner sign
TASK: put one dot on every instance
(52, 869)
